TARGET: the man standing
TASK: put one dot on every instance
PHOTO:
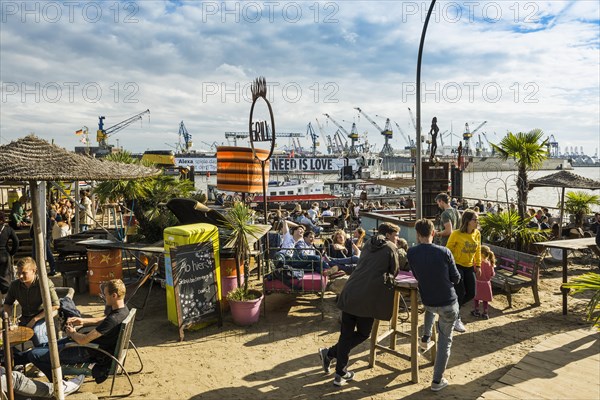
(364, 298)
(434, 268)
(28, 292)
(449, 219)
(105, 335)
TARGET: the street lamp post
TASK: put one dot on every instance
(419, 167)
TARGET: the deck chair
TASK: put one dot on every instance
(133, 287)
(118, 358)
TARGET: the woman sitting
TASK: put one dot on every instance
(308, 258)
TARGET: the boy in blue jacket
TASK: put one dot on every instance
(434, 268)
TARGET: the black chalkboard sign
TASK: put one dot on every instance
(195, 286)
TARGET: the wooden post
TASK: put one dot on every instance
(38, 203)
(7, 357)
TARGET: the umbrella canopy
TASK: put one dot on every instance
(564, 179)
(33, 159)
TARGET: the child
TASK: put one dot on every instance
(483, 290)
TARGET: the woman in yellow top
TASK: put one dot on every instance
(465, 245)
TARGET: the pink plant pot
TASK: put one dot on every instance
(228, 283)
(245, 312)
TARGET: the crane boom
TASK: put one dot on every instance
(313, 136)
(370, 120)
(341, 128)
(103, 134)
(478, 127)
(410, 143)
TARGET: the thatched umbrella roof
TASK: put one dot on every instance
(565, 179)
(32, 158)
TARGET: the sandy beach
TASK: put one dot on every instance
(277, 358)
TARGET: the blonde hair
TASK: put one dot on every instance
(115, 286)
(402, 243)
(488, 254)
(341, 233)
(27, 262)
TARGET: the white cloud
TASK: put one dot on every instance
(192, 61)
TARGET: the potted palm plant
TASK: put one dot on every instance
(244, 302)
(579, 204)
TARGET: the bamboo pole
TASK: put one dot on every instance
(38, 203)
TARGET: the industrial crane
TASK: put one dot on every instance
(552, 146)
(412, 118)
(387, 133)
(492, 150)
(103, 134)
(353, 135)
(330, 146)
(187, 138)
(468, 135)
(410, 143)
(313, 136)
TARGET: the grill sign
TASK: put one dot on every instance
(261, 131)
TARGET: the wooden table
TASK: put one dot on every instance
(565, 246)
(18, 335)
(404, 282)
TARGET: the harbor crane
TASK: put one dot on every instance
(330, 146)
(410, 143)
(341, 141)
(103, 134)
(552, 146)
(387, 133)
(468, 134)
(187, 138)
(244, 135)
(492, 150)
(414, 122)
(314, 138)
(353, 135)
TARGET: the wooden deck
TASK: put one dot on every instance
(565, 366)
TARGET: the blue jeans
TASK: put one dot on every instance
(445, 325)
(40, 333)
(40, 356)
(49, 255)
(309, 263)
(346, 264)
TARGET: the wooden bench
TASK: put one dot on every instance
(515, 270)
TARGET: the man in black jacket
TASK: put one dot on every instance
(364, 298)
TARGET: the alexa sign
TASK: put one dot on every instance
(261, 131)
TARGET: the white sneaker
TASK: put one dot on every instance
(73, 385)
(436, 387)
(425, 346)
(459, 326)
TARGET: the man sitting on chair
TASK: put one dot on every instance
(105, 335)
(27, 291)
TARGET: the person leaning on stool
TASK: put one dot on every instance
(364, 298)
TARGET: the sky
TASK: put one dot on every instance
(519, 65)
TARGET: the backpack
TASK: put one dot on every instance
(66, 310)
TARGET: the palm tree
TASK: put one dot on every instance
(529, 153)
(578, 203)
(584, 283)
(144, 197)
(507, 229)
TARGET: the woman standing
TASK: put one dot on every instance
(7, 234)
(465, 245)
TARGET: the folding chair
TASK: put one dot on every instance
(132, 288)
(118, 358)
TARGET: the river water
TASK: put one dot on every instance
(490, 185)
